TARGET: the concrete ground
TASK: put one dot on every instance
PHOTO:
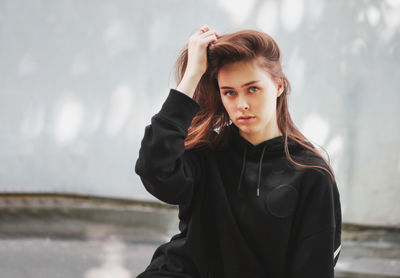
(75, 236)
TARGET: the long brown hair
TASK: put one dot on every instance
(244, 45)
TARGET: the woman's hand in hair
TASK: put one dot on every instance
(197, 58)
(197, 50)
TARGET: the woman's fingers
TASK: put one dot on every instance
(204, 28)
(208, 33)
(204, 38)
(201, 30)
(205, 31)
(209, 39)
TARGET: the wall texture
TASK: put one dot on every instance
(79, 81)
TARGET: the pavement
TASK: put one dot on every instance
(47, 235)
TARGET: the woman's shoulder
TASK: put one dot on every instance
(307, 155)
(314, 156)
(310, 158)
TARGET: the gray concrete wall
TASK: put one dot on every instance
(79, 81)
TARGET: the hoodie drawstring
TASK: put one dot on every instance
(259, 170)
(243, 166)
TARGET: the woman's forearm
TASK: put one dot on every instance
(188, 84)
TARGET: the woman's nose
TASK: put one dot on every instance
(242, 104)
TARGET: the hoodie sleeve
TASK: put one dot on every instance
(166, 169)
(318, 236)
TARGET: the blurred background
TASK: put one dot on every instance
(79, 81)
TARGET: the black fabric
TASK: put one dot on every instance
(244, 211)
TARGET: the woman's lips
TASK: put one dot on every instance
(245, 119)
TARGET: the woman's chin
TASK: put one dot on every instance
(245, 129)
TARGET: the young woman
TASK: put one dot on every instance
(256, 198)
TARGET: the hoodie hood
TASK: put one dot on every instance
(272, 147)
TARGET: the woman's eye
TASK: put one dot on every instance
(256, 89)
(227, 92)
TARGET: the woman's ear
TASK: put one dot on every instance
(281, 88)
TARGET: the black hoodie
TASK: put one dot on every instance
(244, 211)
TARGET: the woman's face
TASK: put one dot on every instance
(248, 90)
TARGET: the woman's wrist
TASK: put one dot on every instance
(188, 84)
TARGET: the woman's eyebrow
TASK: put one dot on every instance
(248, 83)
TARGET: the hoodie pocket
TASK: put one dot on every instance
(282, 201)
